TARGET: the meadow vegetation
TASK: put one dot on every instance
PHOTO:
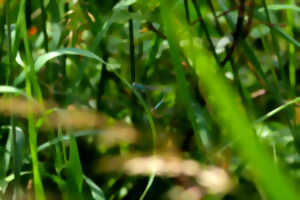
(149, 99)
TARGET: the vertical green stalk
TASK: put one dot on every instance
(31, 81)
(131, 47)
(44, 28)
(292, 68)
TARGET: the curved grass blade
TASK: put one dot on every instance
(276, 7)
(276, 110)
(12, 90)
(96, 191)
(43, 59)
(66, 138)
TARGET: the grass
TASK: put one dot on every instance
(89, 88)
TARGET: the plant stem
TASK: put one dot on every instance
(205, 29)
(31, 80)
(292, 67)
(44, 28)
(131, 47)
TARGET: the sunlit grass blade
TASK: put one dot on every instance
(5, 89)
(96, 191)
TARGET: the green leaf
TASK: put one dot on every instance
(124, 4)
(96, 191)
(75, 175)
(66, 138)
(276, 7)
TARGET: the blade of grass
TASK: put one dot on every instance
(31, 81)
(131, 47)
(276, 7)
(278, 109)
(96, 191)
(12, 90)
(74, 171)
(43, 59)
(229, 112)
(292, 54)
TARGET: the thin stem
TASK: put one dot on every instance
(238, 31)
(131, 48)
(292, 68)
(277, 110)
(205, 29)
(44, 19)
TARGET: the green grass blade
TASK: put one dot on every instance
(31, 81)
(96, 191)
(276, 7)
(12, 90)
(74, 170)
(56, 140)
(278, 109)
(43, 59)
(292, 53)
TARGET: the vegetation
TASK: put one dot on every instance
(147, 99)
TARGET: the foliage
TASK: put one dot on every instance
(147, 99)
